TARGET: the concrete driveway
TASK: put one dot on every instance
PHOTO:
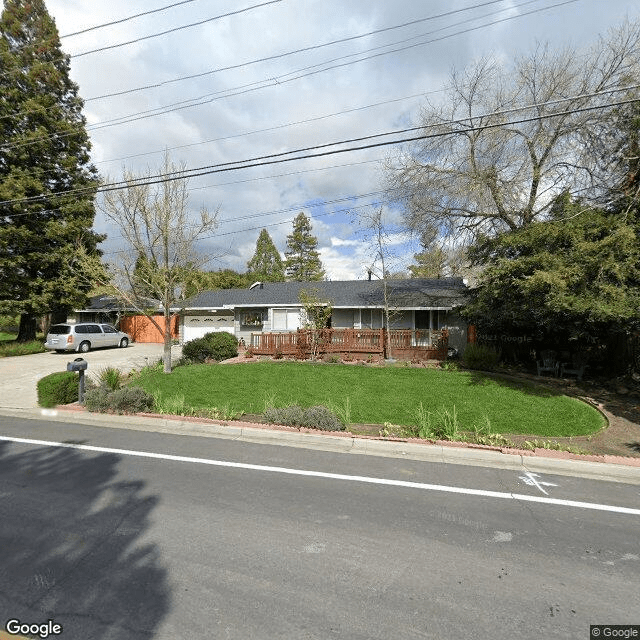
(20, 374)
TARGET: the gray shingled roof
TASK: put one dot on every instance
(111, 303)
(408, 294)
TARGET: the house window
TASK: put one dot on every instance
(371, 319)
(252, 319)
(286, 319)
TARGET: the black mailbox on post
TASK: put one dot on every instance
(80, 365)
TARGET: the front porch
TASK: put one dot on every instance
(404, 344)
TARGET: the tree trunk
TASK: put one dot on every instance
(27, 330)
(168, 338)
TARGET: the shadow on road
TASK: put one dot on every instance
(72, 546)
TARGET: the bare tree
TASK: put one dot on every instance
(376, 228)
(160, 237)
(506, 141)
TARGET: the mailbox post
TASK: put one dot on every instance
(80, 365)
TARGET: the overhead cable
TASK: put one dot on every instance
(279, 158)
(243, 89)
(186, 26)
(127, 19)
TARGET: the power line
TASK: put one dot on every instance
(299, 207)
(289, 53)
(233, 182)
(121, 20)
(278, 157)
(164, 33)
(276, 127)
(310, 70)
(226, 166)
(277, 224)
(156, 85)
(272, 81)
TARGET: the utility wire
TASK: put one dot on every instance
(276, 224)
(310, 70)
(298, 207)
(164, 33)
(127, 19)
(278, 158)
(462, 121)
(240, 65)
(290, 53)
(233, 182)
(270, 82)
(276, 127)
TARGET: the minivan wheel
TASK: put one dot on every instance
(124, 343)
(84, 347)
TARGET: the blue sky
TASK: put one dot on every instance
(278, 106)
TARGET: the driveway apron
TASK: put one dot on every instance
(19, 375)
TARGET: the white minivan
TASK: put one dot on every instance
(84, 336)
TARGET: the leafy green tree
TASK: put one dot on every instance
(576, 275)
(303, 262)
(266, 264)
(47, 183)
(198, 281)
(431, 262)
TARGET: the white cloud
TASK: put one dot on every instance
(269, 31)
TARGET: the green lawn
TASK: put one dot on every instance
(9, 346)
(378, 395)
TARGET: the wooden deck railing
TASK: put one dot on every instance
(404, 344)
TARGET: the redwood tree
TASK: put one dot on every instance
(47, 182)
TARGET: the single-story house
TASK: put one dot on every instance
(272, 307)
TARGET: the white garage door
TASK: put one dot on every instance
(197, 326)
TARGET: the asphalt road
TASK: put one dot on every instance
(203, 538)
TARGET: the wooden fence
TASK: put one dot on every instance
(141, 329)
(427, 344)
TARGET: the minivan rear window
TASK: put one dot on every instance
(60, 329)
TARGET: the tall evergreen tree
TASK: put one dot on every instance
(303, 262)
(575, 275)
(266, 264)
(47, 183)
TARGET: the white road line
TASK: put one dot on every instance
(333, 476)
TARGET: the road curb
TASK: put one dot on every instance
(606, 470)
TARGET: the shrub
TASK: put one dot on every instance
(223, 345)
(196, 350)
(318, 417)
(290, 416)
(130, 400)
(97, 399)
(111, 378)
(480, 356)
(322, 418)
(58, 388)
(212, 346)
(124, 400)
